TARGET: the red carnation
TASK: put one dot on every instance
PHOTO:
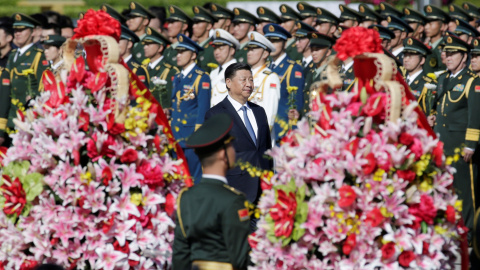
(406, 258)
(103, 149)
(125, 248)
(450, 214)
(28, 265)
(407, 175)
(438, 154)
(15, 198)
(106, 176)
(97, 23)
(349, 244)
(374, 217)
(130, 155)
(425, 210)
(405, 139)
(357, 40)
(169, 204)
(388, 250)
(347, 196)
(416, 148)
(152, 176)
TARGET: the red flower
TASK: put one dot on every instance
(290, 139)
(347, 196)
(406, 258)
(388, 250)
(153, 177)
(405, 139)
(106, 176)
(265, 183)
(145, 220)
(283, 213)
(450, 214)
(353, 146)
(416, 148)
(97, 23)
(425, 210)
(357, 40)
(370, 166)
(374, 217)
(116, 128)
(375, 106)
(28, 265)
(125, 248)
(107, 225)
(253, 240)
(354, 108)
(169, 204)
(15, 198)
(425, 248)
(349, 244)
(3, 154)
(130, 155)
(104, 148)
(407, 175)
(438, 154)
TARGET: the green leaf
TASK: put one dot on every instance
(424, 227)
(33, 185)
(12, 218)
(302, 212)
(300, 195)
(2, 202)
(297, 232)
(16, 169)
(26, 209)
(271, 236)
(285, 241)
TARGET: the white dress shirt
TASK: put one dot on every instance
(251, 116)
(216, 177)
(187, 70)
(153, 64)
(411, 78)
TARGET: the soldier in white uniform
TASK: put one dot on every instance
(224, 45)
(266, 92)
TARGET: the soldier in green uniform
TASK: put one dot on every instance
(349, 17)
(160, 73)
(385, 35)
(307, 12)
(437, 23)
(138, 19)
(401, 29)
(266, 16)
(456, 12)
(303, 45)
(224, 16)
(243, 23)
(114, 13)
(290, 18)
(125, 45)
(178, 23)
(458, 123)
(417, 22)
(203, 22)
(327, 23)
(475, 57)
(473, 11)
(26, 65)
(465, 31)
(4, 105)
(213, 221)
(370, 17)
(421, 86)
(388, 10)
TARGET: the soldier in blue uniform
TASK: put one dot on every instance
(190, 99)
(291, 79)
(127, 40)
(138, 19)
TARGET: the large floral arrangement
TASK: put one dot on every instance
(87, 184)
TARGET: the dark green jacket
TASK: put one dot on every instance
(424, 95)
(292, 52)
(211, 226)
(433, 62)
(241, 54)
(165, 72)
(5, 100)
(206, 57)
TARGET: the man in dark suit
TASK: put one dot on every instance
(250, 128)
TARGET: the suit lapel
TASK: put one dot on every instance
(236, 118)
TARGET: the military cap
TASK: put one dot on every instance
(275, 31)
(201, 14)
(221, 12)
(288, 13)
(306, 10)
(340, 29)
(414, 45)
(457, 12)
(243, 16)
(222, 37)
(213, 134)
(433, 13)
(464, 27)
(113, 13)
(472, 10)
(129, 35)
(320, 40)
(152, 36)
(368, 13)
(413, 16)
(325, 16)
(177, 14)
(303, 29)
(389, 10)
(257, 40)
(384, 32)
(395, 23)
(455, 44)
(54, 40)
(475, 46)
(137, 10)
(24, 21)
(267, 15)
(185, 43)
(349, 14)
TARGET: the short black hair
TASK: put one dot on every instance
(56, 28)
(233, 68)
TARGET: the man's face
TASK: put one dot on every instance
(433, 28)
(411, 61)
(323, 27)
(476, 62)
(453, 60)
(309, 20)
(5, 38)
(386, 44)
(349, 23)
(174, 28)
(135, 23)
(151, 49)
(222, 53)
(260, 27)
(465, 38)
(452, 25)
(366, 24)
(219, 24)
(397, 39)
(199, 29)
(51, 52)
(23, 36)
(289, 25)
(67, 32)
(156, 24)
(254, 55)
(302, 44)
(240, 30)
(240, 87)
(319, 54)
(279, 47)
(184, 57)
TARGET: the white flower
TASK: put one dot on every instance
(158, 82)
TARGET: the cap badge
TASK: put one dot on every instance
(18, 17)
(429, 9)
(319, 11)
(283, 9)
(341, 8)
(271, 28)
(196, 10)
(465, 6)
(47, 37)
(149, 31)
(252, 36)
(375, 28)
(389, 19)
(449, 39)
(217, 34)
(475, 42)
(300, 7)
(261, 10)
(452, 8)
(180, 39)
(171, 9)
(299, 25)
(406, 11)
(361, 9)
(214, 8)
(382, 7)
(314, 35)
(236, 11)
(457, 21)
(410, 41)
(132, 5)
(104, 8)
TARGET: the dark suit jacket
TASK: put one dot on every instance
(245, 149)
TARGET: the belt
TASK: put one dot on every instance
(211, 265)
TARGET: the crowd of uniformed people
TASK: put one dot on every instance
(182, 59)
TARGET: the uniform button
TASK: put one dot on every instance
(16, 77)
(445, 115)
(444, 125)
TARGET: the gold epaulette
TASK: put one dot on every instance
(473, 74)
(232, 189)
(199, 72)
(291, 62)
(268, 72)
(298, 62)
(38, 49)
(427, 79)
(472, 134)
(135, 64)
(167, 65)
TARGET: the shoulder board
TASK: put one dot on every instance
(268, 72)
(290, 61)
(167, 65)
(199, 72)
(299, 62)
(38, 49)
(135, 64)
(427, 79)
(232, 189)
(14, 50)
